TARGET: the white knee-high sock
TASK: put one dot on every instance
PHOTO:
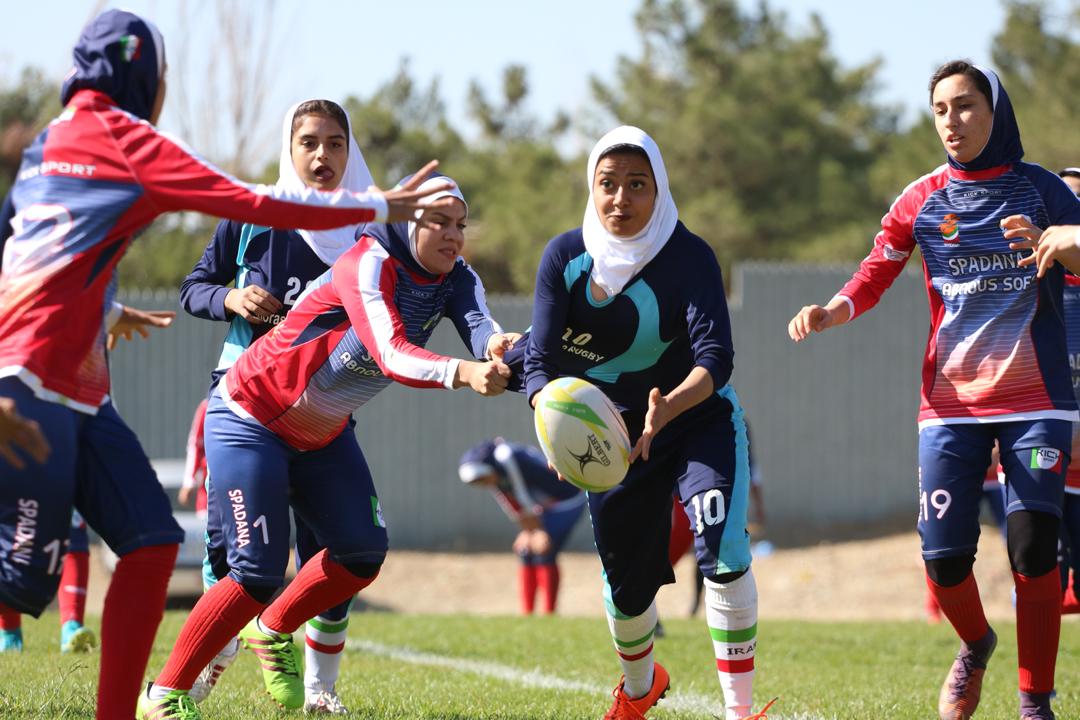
(633, 638)
(731, 611)
(324, 643)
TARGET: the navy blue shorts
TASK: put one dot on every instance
(79, 541)
(953, 461)
(707, 459)
(97, 467)
(254, 479)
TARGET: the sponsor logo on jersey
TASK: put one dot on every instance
(376, 513)
(350, 363)
(950, 230)
(1046, 459)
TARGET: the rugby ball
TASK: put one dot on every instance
(582, 434)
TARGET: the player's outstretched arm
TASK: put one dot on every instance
(17, 431)
(815, 318)
(132, 320)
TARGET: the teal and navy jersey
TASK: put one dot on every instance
(279, 261)
(670, 318)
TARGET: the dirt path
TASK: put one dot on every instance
(868, 579)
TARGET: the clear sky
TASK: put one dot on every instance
(334, 49)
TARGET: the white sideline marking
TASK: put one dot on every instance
(679, 702)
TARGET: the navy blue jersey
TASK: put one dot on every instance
(279, 261)
(525, 483)
(672, 317)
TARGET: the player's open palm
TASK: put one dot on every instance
(656, 417)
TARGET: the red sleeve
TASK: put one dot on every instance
(892, 247)
(175, 178)
(195, 461)
(508, 503)
(365, 279)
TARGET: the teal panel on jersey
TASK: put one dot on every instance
(647, 346)
(734, 552)
(581, 264)
(240, 333)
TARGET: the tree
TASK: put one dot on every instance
(769, 143)
(24, 110)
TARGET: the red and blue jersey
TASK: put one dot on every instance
(91, 181)
(996, 350)
(1072, 331)
(359, 327)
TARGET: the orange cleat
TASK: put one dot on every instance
(760, 715)
(963, 685)
(627, 708)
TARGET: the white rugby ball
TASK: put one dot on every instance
(582, 434)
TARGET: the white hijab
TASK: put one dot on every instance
(329, 245)
(455, 191)
(618, 259)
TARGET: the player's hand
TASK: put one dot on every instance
(656, 417)
(134, 321)
(486, 378)
(499, 343)
(1056, 244)
(17, 431)
(521, 542)
(812, 318)
(402, 202)
(539, 542)
(252, 303)
(184, 496)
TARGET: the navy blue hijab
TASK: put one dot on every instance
(121, 55)
(1003, 147)
(394, 237)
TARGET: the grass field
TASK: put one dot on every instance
(459, 668)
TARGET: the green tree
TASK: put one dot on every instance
(769, 143)
(25, 108)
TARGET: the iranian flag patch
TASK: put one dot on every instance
(1046, 459)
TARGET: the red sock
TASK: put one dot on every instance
(320, 584)
(220, 614)
(527, 582)
(1070, 604)
(134, 605)
(73, 581)
(962, 606)
(547, 577)
(933, 611)
(9, 619)
(1038, 627)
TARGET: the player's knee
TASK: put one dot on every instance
(363, 570)
(949, 571)
(259, 593)
(1033, 542)
(725, 578)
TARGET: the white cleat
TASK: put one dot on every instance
(325, 702)
(210, 674)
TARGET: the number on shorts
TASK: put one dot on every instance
(260, 522)
(940, 500)
(708, 509)
(53, 549)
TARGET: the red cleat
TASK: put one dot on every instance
(626, 708)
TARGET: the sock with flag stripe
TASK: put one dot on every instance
(731, 612)
(324, 642)
(633, 638)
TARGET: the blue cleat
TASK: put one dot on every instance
(74, 638)
(11, 640)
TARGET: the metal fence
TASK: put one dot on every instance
(833, 419)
